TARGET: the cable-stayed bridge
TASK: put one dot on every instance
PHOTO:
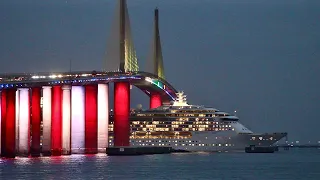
(68, 112)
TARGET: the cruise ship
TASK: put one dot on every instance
(187, 127)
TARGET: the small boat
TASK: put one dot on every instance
(260, 149)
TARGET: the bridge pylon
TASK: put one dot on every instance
(121, 54)
(155, 62)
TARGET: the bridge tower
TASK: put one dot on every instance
(155, 63)
(121, 54)
(156, 66)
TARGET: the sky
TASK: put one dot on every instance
(258, 57)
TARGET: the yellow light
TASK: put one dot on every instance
(52, 76)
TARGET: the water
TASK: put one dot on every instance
(293, 164)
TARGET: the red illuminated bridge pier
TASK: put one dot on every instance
(68, 113)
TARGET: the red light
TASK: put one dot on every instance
(155, 100)
(91, 116)
(35, 121)
(3, 121)
(10, 139)
(56, 121)
(121, 113)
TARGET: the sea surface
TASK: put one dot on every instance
(293, 164)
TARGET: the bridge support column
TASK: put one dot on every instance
(56, 121)
(3, 121)
(0, 124)
(103, 117)
(155, 100)
(91, 115)
(10, 120)
(46, 121)
(77, 119)
(35, 121)
(66, 120)
(23, 122)
(121, 113)
(17, 105)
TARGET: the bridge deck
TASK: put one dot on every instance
(147, 82)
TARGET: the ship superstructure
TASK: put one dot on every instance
(192, 128)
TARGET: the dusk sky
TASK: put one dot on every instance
(259, 57)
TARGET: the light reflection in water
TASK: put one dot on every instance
(163, 166)
(23, 161)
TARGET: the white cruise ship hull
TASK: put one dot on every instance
(210, 141)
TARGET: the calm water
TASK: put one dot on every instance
(293, 164)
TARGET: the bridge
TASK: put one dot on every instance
(68, 112)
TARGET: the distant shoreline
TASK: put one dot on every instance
(299, 146)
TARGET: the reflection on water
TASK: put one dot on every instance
(281, 165)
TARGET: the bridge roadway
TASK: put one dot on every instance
(147, 82)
